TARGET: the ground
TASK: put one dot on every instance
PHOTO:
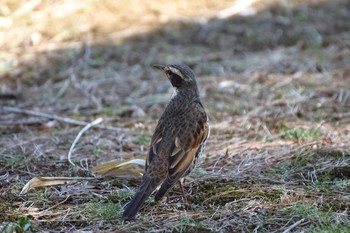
(274, 77)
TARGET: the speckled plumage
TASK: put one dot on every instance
(178, 140)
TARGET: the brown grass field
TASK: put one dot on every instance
(274, 77)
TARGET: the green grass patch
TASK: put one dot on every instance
(281, 169)
(101, 210)
(223, 192)
(123, 195)
(97, 151)
(320, 219)
(333, 153)
(300, 134)
(16, 160)
(22, 225)
(335, 228)
(109, 111)
(189, 224)
(109, 209)
(143, 139)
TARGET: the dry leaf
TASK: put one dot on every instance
(111, 168)
(48, 181)
(119, 167)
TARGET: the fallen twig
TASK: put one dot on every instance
(293, 226)
(54, 117)
(25, 122)
(88, 126)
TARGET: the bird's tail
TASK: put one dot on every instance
(138, 200)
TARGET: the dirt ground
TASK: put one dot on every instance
(273, 75)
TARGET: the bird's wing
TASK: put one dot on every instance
(185, 152)
(155, 143)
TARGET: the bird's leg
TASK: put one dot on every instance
(167, 198)
(183, 192)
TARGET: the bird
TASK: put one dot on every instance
(178, 140)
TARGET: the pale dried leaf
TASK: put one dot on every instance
(48, 181)
(119, 167)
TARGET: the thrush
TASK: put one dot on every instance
(178, 140)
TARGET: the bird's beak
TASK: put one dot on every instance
(159, 66)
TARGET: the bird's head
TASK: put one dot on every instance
(180, 76)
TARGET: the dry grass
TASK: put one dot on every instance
(276, 86)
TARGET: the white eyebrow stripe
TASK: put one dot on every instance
(176, 71)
